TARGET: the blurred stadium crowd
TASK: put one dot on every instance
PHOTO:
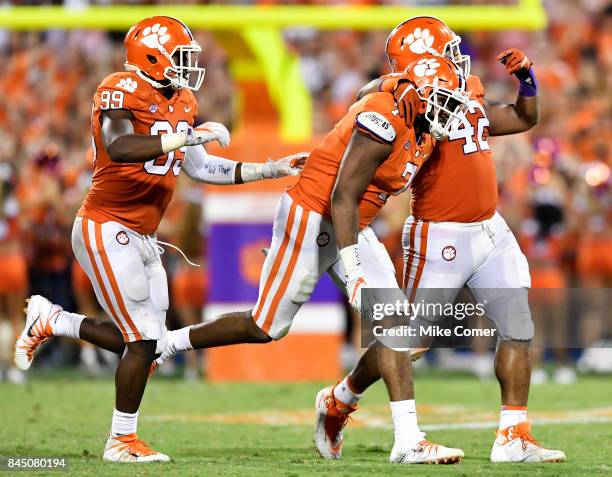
(555, 184)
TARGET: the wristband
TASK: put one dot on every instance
(351, 262)
(251, 171)
(173, 141)
(528, 86)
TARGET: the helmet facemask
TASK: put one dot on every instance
(184, 71)
(443, 108)
(453, 53)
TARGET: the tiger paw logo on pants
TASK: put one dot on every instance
(122, 238)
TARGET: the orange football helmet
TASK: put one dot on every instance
(163, 52)
(419, 35)
(442, 88)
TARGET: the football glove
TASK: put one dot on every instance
(405, 95)
(285, 166)
(207, 132)
(514, 60)
(355, 280)
(519, 65)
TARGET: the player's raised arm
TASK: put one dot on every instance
(523, 114)
(203, 167)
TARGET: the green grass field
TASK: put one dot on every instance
(265, 429)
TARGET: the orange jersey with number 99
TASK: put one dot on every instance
(136, 194)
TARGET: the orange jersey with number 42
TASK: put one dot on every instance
(458, 183)
(136, 195)
(375, 115)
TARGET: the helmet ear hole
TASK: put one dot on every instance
(152, 59)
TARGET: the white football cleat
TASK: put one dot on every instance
(425, 452)
(331, 418)
(37, 330)
(516, 444)
(130, 449)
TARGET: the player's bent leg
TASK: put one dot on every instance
(333, 404)
(228, 329)
(290, 272)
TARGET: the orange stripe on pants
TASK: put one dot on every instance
(94, 265)
(113, 281)
(422, 259)
(290, 266)
(277, 261)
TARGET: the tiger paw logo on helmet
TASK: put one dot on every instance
(155, 36)
(420, 41)
(127, 84)
(426, 67)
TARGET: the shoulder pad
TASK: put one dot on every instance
(377, 125)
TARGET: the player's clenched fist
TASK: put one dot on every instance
(355, 280)
(207, 132)
(519, 65)
(515, 60)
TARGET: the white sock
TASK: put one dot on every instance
(123, 423)
(345, 394)
(179, 339)
(405, 426)
(512, 415)
(67, 324)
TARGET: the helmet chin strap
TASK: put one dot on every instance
(148, 79)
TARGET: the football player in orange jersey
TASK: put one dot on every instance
(455, 237)
(322, 223)
(144, 133)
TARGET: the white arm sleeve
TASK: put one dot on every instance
(204, 167)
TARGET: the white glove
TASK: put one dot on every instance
(285, 166)
(207, 132)
(355, 279)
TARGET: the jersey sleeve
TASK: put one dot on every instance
(379, 118)
(120, 91)
(476, 89)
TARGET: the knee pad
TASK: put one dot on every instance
(509, 312)
(135, 281)
(517, 328)
(158, 288)
(304, 289)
